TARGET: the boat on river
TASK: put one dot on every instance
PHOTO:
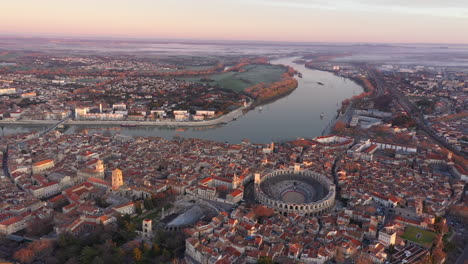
(128, 125)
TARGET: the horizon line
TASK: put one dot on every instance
(175, 39)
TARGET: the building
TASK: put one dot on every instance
(7, 91)
(387, 237)
(81, 112)
(235, 196)
(42, 165)
(12, 225)
(101, 116)
(206, 192)
(198, 117)
(128, 208)
(147, 227)
(28, 95)
(119, 106)
(117, 178)
(205, 112)
(46, 190)
(181, 117)
(96, 172)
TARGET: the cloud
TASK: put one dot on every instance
(436, 8)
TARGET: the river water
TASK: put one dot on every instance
(296, 115)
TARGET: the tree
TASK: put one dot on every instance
(138, 208)
(148, 203)
(441, 227)
(137, 255)
(265, 260)
(155, 250)
(146, 249)
(383, 102)
(24, 255)
(222, 190)
(98, 260)
(339, 126)
(42, 247)
(438, 254)
(88, 254)
(40, 227)
(403, 121)
(166, 254)
(101, 202)
(262, 212)
(391, 249)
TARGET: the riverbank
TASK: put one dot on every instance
(294, 115)
(344, 115)
(354, 79)
(220, 120)
(271, 100)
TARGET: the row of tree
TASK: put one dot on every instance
(369, 90)
(239, 67)
(269, 91)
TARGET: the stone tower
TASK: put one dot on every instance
(117, 178)
(257, 178)
(147, 227)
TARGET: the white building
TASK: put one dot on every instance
(46, 190)
(387, 237)
(42, 165)
(181, 117)
(12, 225)
(7, 91)
(119, 106)
(205, 112)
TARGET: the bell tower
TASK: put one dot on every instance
(117, 178)
(100, 169)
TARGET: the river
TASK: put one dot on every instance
(296, 115)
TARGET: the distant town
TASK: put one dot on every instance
(385, 183)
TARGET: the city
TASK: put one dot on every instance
(139, 150)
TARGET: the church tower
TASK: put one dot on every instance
(99, 169)
(117, 178)
(235, 181)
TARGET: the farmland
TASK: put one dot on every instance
(239, 81)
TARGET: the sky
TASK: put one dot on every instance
(374, 21)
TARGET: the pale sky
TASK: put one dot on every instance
(401, 21)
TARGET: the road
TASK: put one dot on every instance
(413, 111)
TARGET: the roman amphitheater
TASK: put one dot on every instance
(301, 192)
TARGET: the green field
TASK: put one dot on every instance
(89, 80)
(239, 81)
(419, 236)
